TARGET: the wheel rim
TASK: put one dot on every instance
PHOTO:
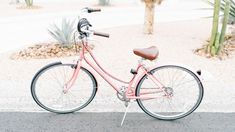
(50, 96)
(186, 93)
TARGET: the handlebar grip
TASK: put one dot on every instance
(101, 34)
(90, 10)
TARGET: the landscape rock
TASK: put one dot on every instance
(44, 51)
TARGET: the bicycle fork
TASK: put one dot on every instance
(72, 80)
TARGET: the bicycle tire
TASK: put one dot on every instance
(158, 114)
(43, 102)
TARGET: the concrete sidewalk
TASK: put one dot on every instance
(176, 40)
(115, 55)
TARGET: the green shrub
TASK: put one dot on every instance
(63, 35)
(231, 19)
(218, 35)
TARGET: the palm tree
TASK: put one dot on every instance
(149, 15)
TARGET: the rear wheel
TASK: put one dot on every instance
(181, 94)
(47, 88)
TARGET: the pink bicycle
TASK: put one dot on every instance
(166, 92)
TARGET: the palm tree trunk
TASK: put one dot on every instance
(149, 17)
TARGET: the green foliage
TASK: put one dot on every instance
(215, 22)
(217, 42)
(29, 2)
(225, 21)
(217, 38)
(213, 50)
(63, 35)
(222, 7)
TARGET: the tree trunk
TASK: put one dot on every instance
(149, 17)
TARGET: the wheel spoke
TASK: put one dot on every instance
(183, 93)
(47, 89)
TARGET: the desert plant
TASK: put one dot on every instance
(222, 8)
(104, 2)
(63, 35)
(149, 15)
(217, 38)
(215, 24)
(225, 21)
(29, 3)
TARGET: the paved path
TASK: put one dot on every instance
(110, 122)
(112, 53)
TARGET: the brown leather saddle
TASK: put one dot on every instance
(150, 53)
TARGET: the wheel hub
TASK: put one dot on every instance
(169, 91)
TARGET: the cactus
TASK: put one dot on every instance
(215, 24)
(217, 38)
(216, 45)
(29, 3)
(213, 50)
(224, 27)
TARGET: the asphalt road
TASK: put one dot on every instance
(110, 122)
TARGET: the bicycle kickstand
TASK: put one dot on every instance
(124, 116)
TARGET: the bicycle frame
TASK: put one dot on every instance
(130, 93)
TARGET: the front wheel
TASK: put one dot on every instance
(47, 88)
(180, 94)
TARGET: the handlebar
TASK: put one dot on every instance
(84, 24)
(101, 34)
(90, 10)
(96, 33)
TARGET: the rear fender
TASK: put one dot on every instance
(198, 72)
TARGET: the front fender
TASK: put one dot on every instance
(84, 67)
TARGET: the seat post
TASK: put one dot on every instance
(140, 61)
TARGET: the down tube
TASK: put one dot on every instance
(102, 75)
